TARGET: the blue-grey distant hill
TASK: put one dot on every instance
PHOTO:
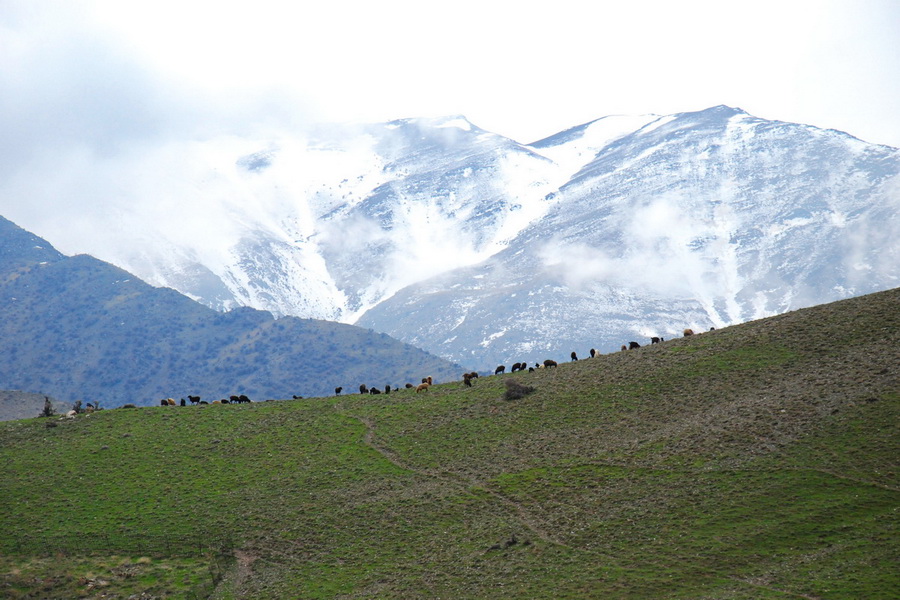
(77, 328)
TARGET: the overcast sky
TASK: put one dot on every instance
(111, 76)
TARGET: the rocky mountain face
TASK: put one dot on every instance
(77, 328)
(485, 251)
(696, 220)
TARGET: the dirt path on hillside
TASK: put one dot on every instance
(763, 586)
(244, 567)
(533, 523)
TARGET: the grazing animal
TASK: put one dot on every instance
(163, 402)
(363, 389)
(194, 399)
(473, 375)
(500, 369)
(202, 402)
(624, 347)
(387, 389)
(423, 387)
(633, 345)
(337, 390)
(531, 369)
(244, 399)
(549, 363)
(409, 386)
(227, 401)
(656, 340)
(374, 390)
(574, 357)
(296, 397)
(170, 401)
(235, 399)
(183, 403)
(688, 332)
(515, 367)
(593, 353)
(467, 379)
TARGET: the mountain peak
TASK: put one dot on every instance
(620, 226)
(20, 248)
(439, 122)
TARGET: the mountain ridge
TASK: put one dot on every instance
(722, 214)
(77, 328)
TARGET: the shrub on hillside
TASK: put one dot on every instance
(516, 390)
(48, 411)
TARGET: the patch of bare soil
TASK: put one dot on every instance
(243, 568)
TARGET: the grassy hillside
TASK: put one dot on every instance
(77, 328)
(754, 462)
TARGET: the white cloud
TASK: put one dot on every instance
(664, 251)
(86, 85)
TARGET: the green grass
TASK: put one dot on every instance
(758, 461)
(63, 576)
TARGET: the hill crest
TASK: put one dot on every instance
(754, 461)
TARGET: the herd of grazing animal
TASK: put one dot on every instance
(574, 356)
(427, 382)
(241, 399)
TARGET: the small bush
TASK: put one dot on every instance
(516, 390)
(48, 410)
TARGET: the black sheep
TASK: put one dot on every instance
(363, 389)
(500, 369)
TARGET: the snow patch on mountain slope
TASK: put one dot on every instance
(574, 149)
(443, 234)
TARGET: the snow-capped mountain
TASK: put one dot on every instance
(694, 220)
(484, 250)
